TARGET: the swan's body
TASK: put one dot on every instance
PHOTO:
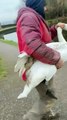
(40, 71)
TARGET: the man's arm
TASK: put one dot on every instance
(53, 31)
(31, 33)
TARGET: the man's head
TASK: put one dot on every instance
(37, 5)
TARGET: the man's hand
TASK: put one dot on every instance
(60, 63)
(61, 25)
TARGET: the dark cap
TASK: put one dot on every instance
(37, 5)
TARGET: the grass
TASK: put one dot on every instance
(3, 71)
(9, 42)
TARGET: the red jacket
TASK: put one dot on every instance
(33, 34)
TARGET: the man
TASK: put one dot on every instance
(33, 34)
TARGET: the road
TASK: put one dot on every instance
(11, 86)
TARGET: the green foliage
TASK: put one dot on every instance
(65, 34)
(55, 21)
(56, 8)
(9, 42)
(3, 71)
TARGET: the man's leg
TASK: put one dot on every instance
(47, 97)
(35, 113)
(44, 104)
(50, 89)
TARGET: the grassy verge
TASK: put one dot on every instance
(3, 71)
(9, 42)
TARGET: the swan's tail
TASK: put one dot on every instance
(25, 92)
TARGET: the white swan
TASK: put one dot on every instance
(40, 71)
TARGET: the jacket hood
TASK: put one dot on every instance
(27, 9)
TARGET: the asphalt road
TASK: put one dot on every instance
(11, 86)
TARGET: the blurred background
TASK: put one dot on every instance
(57, 8)
(56, 12)
(9, 9)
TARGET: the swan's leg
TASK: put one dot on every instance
(35, 113)
(43, 105)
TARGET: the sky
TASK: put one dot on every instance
(9, 10)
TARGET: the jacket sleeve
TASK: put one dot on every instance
(31, 34)
(53, 31)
